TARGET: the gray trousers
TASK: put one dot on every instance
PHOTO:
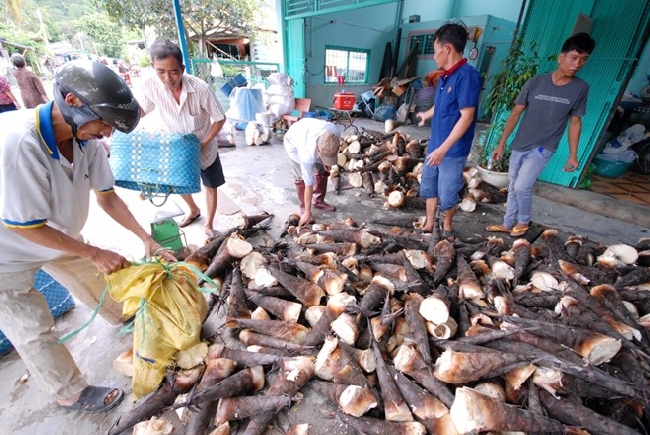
(26, 320)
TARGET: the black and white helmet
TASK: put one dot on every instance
(105, 96)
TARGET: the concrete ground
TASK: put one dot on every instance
(259, 179)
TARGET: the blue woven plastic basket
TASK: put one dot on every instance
(58, 299)
(156, 163)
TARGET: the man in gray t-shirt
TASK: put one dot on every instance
(549, 102)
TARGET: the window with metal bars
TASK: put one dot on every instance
(351, 63)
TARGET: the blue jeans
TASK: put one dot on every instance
(525, 167)
(444, 181)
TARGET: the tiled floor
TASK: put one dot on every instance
(631, 187)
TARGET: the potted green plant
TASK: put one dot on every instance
(517, 67)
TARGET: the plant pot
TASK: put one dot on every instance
(497, 179)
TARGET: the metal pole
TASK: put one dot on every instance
(181, 36)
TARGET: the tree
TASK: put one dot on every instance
(13, 8)
(104, 33)
(202, 18)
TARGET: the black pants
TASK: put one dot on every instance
(7, 107)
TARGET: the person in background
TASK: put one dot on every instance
(453, 119)
(31, 88)
(7, 99)
(52, 156)
(313, 146)
(547, 102)
(187, 105)
(124, 72)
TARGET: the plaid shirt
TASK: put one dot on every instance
(4, 87)
(31, 87)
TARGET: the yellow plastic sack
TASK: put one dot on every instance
(169, 310)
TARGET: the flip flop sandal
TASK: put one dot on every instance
(498, 228)
(189, 221)
(211, 233)
(92, 399)
(518, 231)
(448, 234)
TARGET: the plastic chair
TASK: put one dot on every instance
(301, 105)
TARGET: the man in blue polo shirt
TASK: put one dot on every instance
(452, 127)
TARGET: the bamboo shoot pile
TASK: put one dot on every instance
(454, 338)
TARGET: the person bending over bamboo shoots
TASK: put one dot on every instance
(313, 146)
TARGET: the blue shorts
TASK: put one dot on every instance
(444, 181)
(212, 176)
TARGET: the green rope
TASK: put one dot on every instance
(92, 317)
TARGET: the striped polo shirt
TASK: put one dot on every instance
(38, 186)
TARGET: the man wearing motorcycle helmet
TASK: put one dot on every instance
(50, 158)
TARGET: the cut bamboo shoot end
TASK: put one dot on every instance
(321, 365)
(444, 330)
(154, 426)
(262, 278)
(379, 328)
(351, 263)
(598, 349)
(366, 360)
(396, 199)
(124, 363)
(418, 259)
(624, 254)
(260, 314)
(516, 378)
(491, 389)
(333, 282)
(644, 321)
(327, 259)
(500, 269)
(356, 400)
(355, 180)
(397, 412)
(257, 373)
(338, 303)
(297, 364)
(434, 309)
(548, 379)
(354, 147)
(543, 281)
(237, 247)
(313, 314)
(251, 263)
(291, 312)
(405, 358)
(468, 204)
(346, 328)
(193, 356)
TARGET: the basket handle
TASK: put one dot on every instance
(151, 191)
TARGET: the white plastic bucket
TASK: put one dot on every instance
(263, 118)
